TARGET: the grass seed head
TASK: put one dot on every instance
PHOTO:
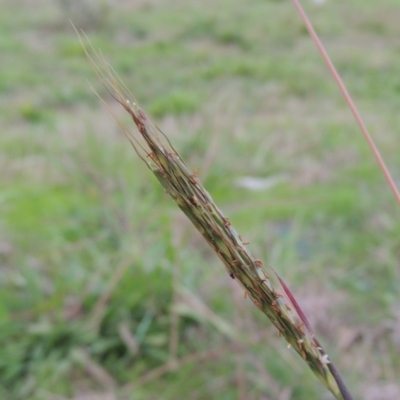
(261, 284)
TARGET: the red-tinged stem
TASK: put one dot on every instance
(348, 99)
(341, 385)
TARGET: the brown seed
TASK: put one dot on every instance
(193, 179)
(140, 127)
(276, 294)
(194, 200)
(299, 326)
(226, 222)
(275, 307)
(151, 155)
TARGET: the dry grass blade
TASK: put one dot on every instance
(261, 284)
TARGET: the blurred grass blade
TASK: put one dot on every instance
(261, 284)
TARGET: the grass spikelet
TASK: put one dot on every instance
(260, 283)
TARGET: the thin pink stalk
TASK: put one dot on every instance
(348, 99)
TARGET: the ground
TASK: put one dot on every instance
(107, 292)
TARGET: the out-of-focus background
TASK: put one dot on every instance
(107, 292)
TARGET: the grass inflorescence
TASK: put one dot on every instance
(260, 283)
(89, 242)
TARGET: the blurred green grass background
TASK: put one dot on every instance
(107, 292)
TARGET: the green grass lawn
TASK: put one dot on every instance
(104, 282)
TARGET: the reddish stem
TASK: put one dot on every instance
(348, 99)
